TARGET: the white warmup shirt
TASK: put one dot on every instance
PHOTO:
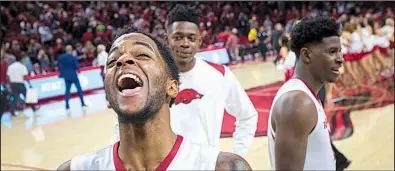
(183, 156)
(205, 92)
(16, 72)
(319, 153)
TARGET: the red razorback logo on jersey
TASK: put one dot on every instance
(186, 96)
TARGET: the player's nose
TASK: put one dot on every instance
(185, 43)
(339, 58)
(123, 61)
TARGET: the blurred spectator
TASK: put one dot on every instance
(45, 34)
(33, 47)
(9, 57)
(3, 67)
(253, 22)
(102, 55)
(263, 40)
(79, 52)
(252, 35)
(232, 45)
(88, 36)
(58, 46)
(267, 23)
(275, 37)
(43, 59)
(26, 61)
(89, 51)
(37, 70)
(16, 48)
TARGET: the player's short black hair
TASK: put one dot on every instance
(183, 13)
(312, 30)
(164, 52)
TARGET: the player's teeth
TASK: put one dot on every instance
(137, 79)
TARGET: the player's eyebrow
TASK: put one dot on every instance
(113, 49)
(134, 43)
(144, 44)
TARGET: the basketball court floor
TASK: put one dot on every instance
(45, 141)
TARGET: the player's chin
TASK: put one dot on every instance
(184, 59)
(130, 109)
(132, 102)
(333, 79)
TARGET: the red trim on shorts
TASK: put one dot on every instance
(162, 166)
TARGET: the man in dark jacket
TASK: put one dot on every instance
(68, 67)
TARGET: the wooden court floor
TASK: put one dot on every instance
(371, 147)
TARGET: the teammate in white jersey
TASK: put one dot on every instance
(298, 130)
(206, 89)
(141, 82)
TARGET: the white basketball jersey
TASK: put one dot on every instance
(184, 155)
(319, 153)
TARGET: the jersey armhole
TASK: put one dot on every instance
(313, 128)
(271, 127)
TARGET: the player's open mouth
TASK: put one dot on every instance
(129, 84)
(184, 54)
(335, 70)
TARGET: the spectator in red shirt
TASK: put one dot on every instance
(3, 68)
(232, 45)
(334, 13)
(87, 36)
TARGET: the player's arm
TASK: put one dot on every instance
(65, 166)
(229, 161)
(295, 116)
(239, 105)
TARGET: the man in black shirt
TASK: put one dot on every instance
(263, 39)
(275, 37)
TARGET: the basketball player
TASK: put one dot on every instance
(206, 89)
(298, 130)
(141, 82)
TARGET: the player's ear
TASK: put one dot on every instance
(305, 54)
(172, 88)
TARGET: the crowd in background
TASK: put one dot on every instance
(39, 31)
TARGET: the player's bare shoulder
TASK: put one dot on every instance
(65, 166)
(293, 102)
(294, 108)
(230, 161)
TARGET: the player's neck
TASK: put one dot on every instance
(188, 66)
(144, 146)
(304, 74)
